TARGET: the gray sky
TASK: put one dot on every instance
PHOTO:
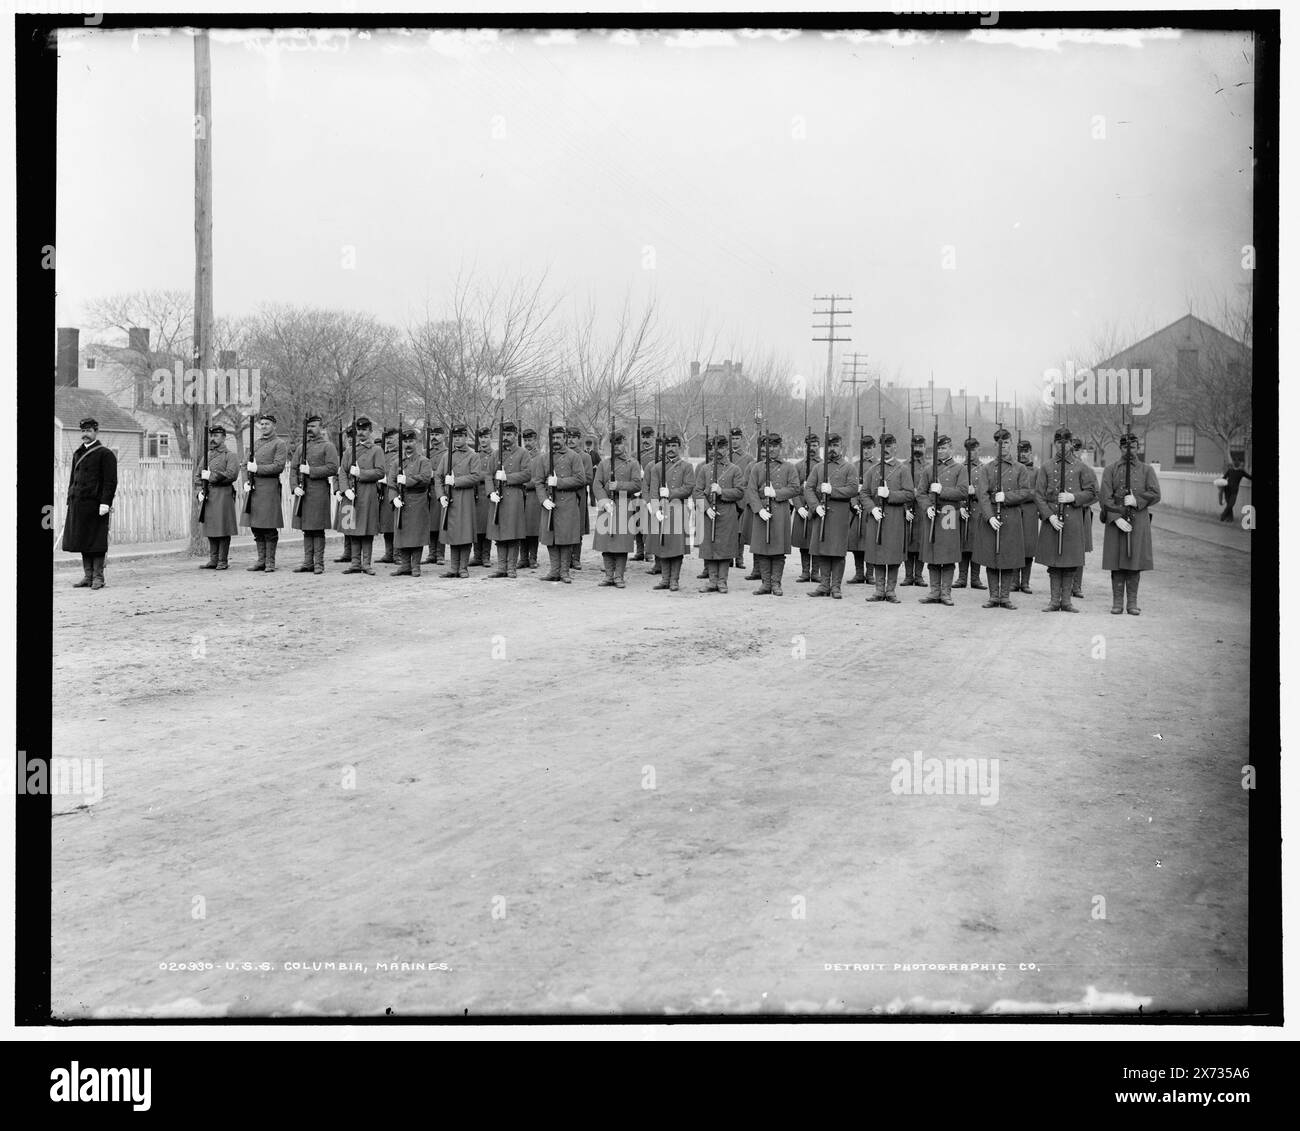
(759, 171)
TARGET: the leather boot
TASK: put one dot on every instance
(804, 574)
(271, 544)
(723, 568)
(575, 556)
(403, 563)
(512, 560)
(414, 559)
(945, 585)
(432, 559)
(859, 562)
(88, 569)
(318, 561)
(1004, 587)
(1131, 579)
(566, 564)
(932, 598)
(836, 577)
(388, 558)
(881, 575)
(754, 574)
(1076, 588)
(620, 568)
(308, 550)
(97, 574)
(1117, 592)
(994, 597)
(822, 575)
(777, 563)
(1024, 576)
(211, 563)
(764, 567)
(462, 562)
(223, 552)
(962, 566)
(705, 573)
(476, 556)
(346, 555)
(1054, 584)
(1067, 586)
(354, 562)
(975, 582)
(711, 576)
(502, 570)
(554, 573)
(675, 574)
(367, 549)
(891, 580)
(607, 564)
(452, 559)
(258, 566)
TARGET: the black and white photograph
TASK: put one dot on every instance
(451, 423)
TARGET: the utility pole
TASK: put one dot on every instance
(830, 339)
(202, 250)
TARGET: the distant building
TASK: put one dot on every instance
(118, 430)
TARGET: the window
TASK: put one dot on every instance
(90, 363)
(158, 445)
(1188, 366)
(1184, 444)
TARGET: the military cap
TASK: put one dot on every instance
(436, 429)
(529, 433)
(918, 441)
(572, 431)
(834, 438)
(363, 422)
(888, 438)
(1078, 443)
(1002, 434)
(1062, 433)
(618, 437)
(868, 440)
(1025, 446)
(508, 426)
(1129, 438)
(971, 443)
(389, 430)
(738, 431)
(485, 430)
(673, 438)
(459, 430)
(557, 430)
(217, 428)
(944, 440)
(313, 416)
(718, 440)
(647, 430)
(774, 438)
(266, 416)
(812, 438)
(408, 433)
(89, 422)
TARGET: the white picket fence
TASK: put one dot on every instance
(1195, 491)
(154, 500)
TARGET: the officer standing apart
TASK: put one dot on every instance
(92, 484)
(217, 482)
(1129, 489)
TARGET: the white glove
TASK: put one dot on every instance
(247, 485)
(205, 475)
(401, 479)
(1220, 482)
(1000, 497)
(501, 476)
(710, 512)
(769, 492)
(338, 495)
(607, 504)
(350, 495)
(304, 469)
(878, 514)
(1130, 501)
(1056, 522)
(970, 490)
(995, 522)
(714, 488)
(252, 465)
(442, 499)
(934, 488)
(494, 497)
(929, 512)
(964, 512)
(803, 513)
(398, 504)
(104, 508)
(552, 480)
(354, 471)
(1124, 524)
(663, 492)
(548, 504)
(821, 512)
(449, 479)
(764, 513)
(1065, 497)
(298, 491)
(825, 488)
(907, 514)
(882, 492)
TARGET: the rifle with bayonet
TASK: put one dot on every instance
(1060, 506)
(203, 483)
(401, 487)
(934, 469)
(248, 475)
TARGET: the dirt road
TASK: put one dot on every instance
(566, 799)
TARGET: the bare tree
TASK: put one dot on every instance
(1215, 395)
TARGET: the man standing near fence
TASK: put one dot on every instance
(217, 482)
(311, 475)
(91, 487)
(266, 463)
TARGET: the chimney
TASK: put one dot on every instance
(137, 339)
(67, 356)
(961, 392)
